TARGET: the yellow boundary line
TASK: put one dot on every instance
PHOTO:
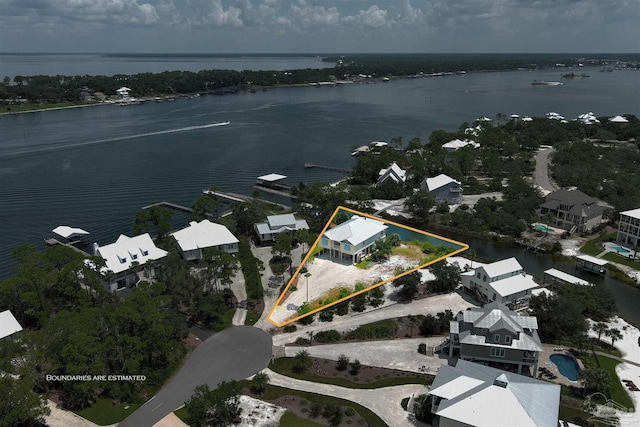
(463, 248)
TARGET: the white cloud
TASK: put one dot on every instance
(220, 17)
(374, 17)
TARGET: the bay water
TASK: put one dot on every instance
(95, 167)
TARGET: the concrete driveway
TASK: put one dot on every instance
(233, 354)
(384, 402)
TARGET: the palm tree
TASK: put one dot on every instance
(302, 362)
(614, 334)
(259, 382)
(600, 328)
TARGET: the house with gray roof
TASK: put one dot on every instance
(394, 174)
(473, 395)
(276, 224)
(571, 210)
(353, 239)
(496, 336)
(443, 188)
(504, 281)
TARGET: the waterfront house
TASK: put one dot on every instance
(128, 261)
(202, 235)
(456, 144)
(503, 281)
(571, 210)
(9, 326)
(473, 395)
(629, 228)
(353, 239)
(496, 336)
(394, 175)
(276, 224)
(443, 189)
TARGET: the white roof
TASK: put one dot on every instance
(203, 234)
(356, 230)
(501, 267)
(457, 143)
(379, 144)
(618, 119)
(8, 324)
(281, 223)
(513, 284)
(272, 177)
(592, 260)
(499, 398)
(483, 119)
(567, 277)
(119, 255)
(67, 232)
(395, 172)
(634, 213)
(527, 119)
(439, 181)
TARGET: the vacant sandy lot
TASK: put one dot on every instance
(327, 275)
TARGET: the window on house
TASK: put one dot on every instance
(507, 339)
(324, 242)
(134, 256)
(497, 352)
(494, 296)
(145, 253)
(478, 275)
(347, 247)
(484, 278)
(496, 338)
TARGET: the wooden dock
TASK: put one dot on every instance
(280, 190)
(170, 205)
(52, 241)
(531, 246)
(329, 168)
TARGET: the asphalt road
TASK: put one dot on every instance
(233, 354)
(541, 174)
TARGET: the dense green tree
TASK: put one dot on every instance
(205, 206)
(447, 277)
(20, 406)
(259, 382)
(302, 361)
(600, 328)
(594, 380)
(156, 220)
(614, 334)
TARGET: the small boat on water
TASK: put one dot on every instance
(544, 83)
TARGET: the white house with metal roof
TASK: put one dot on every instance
(443, 188)
(122, 258)
(276, 224)
(503, 281)
(629, 228)
(9, 326)
(496, 336)
(456, 144)
(393, 174)
(202, 235)
(473, 395)
(353, 239)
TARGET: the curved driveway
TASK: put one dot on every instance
(233, 354)
(541, 174)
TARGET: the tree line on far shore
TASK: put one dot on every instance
(53, 89)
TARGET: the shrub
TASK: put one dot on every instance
(343, 363)
(326, 316)
(327, 336)
(315, 409)
(290, 328)
(302, 341)
(349, 412)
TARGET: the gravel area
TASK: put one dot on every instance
(329, 274)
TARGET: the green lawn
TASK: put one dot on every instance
(274, 392)
(283, 365)
(252, 317)
(104, 412)
(613, 257)
(616, 391)
(226, 320)
(569, 414)
(289, 419)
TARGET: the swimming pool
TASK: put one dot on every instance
(620, 249)
(566, 365)
(544, 228)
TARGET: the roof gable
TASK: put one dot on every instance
(498, 268)
(356, 230)
(203, 234)
(118, 256)
(439, 181)
(8, 324)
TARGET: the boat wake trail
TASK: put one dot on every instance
(115, 139)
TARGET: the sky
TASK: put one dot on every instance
(319, 26)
